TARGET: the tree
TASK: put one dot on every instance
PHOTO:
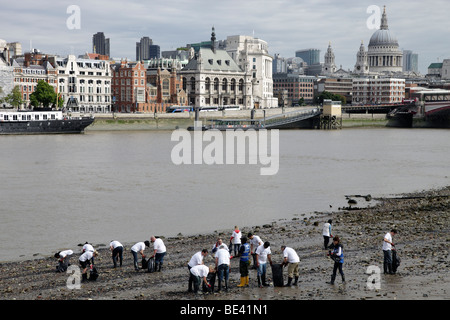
(43, 95)
(14, 98)
(325, 95)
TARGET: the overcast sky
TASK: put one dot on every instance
(287, 25)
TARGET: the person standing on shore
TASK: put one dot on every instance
(291, 259)
(159, 251)
(199, 273)
(326, 232)
(117, 252)
(235, 240)
(387, 251)
(244, 261)
(223, 265)
(63, 260)
(263, 254)
(87, 258)
(255, 242)
(337, 254)
(196, 260)
(139, 248)
(217, 245)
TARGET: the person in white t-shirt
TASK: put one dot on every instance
(87, 247)
(263, 254)
(199, 273)
(159, 251)
(196, 260)
(326, 233)
(139, 248)
(87, 258)
(291, 260)
(235, 240)
(63, 260)
(387, 247)
(255, 242)
(223, 265)
(117, 252)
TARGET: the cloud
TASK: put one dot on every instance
(287, 25)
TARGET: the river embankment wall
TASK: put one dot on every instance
(172, 121)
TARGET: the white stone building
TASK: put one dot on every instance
(252, 56)
(85, 84)
(213, 79)
(384, 55)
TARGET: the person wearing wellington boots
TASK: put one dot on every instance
(244, 261)
(87, 258)
(337, 254)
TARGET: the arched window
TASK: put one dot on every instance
(241, 85)
(192, 83)
(216, 84)
(224, 85)
(207, 84)
(184, 84)
(233, 85)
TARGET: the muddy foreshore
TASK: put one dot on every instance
(422, 220)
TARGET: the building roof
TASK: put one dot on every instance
(213, 60)
(383, 36)
(436, 65)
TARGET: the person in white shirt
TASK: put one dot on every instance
(255, 242)
(218, 243)
(326, 232)
(387, 251)
(199, 273)
(117, 252)
(263, 254)
(196, 259)
(87, 247)
(87, 258)
(223, 265)
(139, 248)
(291, 260)
(63, 260)
(159, 251)
(235, 240)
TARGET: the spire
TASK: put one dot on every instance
(213, 40)
(384, 22)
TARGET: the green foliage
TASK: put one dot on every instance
(43, 95)
(14, 98)
(325, 95)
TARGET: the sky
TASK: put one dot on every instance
(286, 25)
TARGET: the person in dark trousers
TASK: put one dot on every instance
(198, 274)
(63, 260)
(244, 261)
(159, 251)
(196, 260)
(326, 232)
(138, 247)
(87, 258)
(337, 254)
(117, 252)
(387, 251)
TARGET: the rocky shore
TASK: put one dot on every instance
(422, 220)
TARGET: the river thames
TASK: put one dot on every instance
(61, 190)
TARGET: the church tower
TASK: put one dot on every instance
(329, 67)
(362, 65)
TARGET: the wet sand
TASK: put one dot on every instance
(422, 220)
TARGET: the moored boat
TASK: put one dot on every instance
(42, 122)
